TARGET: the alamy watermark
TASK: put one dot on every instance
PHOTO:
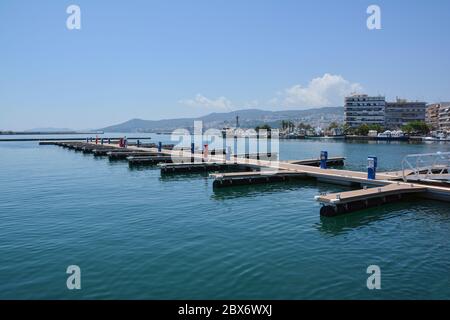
(225, 146)
(74, 280)
(73, 21)
(374, 20)
(374, 280)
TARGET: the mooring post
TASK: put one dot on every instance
(224, 143)
(257, 146)
(323, 159)
(192, 152)
(205, 152)
(372, 163)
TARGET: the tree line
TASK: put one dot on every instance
(414, 127)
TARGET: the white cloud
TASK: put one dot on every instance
(328, 90)
(325, 91)
(200, 100)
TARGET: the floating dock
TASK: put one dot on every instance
(254, 177)
(154, 160)
(123, 155)
(195, 167)
(257, 156)
(51, 141)
(387, 187)
(333, 161)
(221, 166)
(345, 202)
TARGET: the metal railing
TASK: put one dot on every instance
(429, 166)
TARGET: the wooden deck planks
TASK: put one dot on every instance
(364, 194)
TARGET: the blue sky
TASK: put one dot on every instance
(164, 59)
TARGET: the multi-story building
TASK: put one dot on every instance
(361, 109)
(432, 115)
(438, 116)
(402, 111)
(444, 116)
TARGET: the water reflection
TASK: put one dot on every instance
(312, 185)
(172, 177)
(135, 167)
(334, 226)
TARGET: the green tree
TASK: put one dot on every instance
(416, 127)
(376, 127)
(362, 130)
(348, 129)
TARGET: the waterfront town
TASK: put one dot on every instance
(372, 117)
(362, 117)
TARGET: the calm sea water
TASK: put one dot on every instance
(138, 235)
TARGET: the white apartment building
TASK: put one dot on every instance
(444, 116)
(361, 109)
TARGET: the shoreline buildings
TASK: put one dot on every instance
(402, 111)
(444, 117)
(432, 116)
(438, 116)
(363, 109)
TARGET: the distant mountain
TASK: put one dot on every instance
(139, 125)
(248, 118)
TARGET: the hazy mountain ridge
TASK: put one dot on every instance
(248, 118)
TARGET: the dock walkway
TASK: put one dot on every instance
(349, 201)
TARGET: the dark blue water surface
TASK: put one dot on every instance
(138, 235)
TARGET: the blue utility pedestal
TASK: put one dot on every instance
(372, 163)
(323, 159)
